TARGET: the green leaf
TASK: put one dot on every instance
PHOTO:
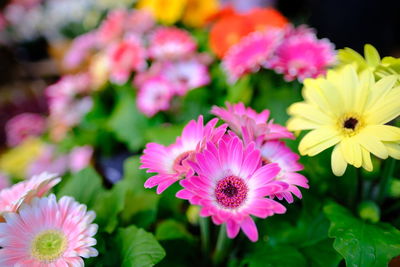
(322, 254)
(240, 91)
(85, 186)
(127, 123)
(266, 256)
(163, 134)
(138, 248)
(171, 229)
(141, 208)
(359, 242)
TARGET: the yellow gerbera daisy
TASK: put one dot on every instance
(165, 11)
(348, 111)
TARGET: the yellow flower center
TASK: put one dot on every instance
(350, 124)
(48, 245)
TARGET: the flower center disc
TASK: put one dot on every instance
(350, 123)
(231, 192)
(48, 245)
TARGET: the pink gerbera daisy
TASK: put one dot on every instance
(154, 95)
(231, 185)
(23, 192)
(251, 53)
(48, 233)
(125, 57)
(171, 162)
(112, 27)
(277, 152)
(24, 125)
(252, 126)
(301, 55)
(186, 75)
(171, 43)
(139, 21)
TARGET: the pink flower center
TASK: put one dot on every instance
(231, 192)
(178, 163)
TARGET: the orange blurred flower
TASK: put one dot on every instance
(264, 18)
(228, 31)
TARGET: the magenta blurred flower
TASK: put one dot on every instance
(170, 163)
(252, 52)
(170, 43)
(154, 95)
(48, 161)
(112, 27)
(23, 192)
(186, 75)
(230, 185)
(80, 157)
(80, 49)
(277, 152)
(48, 233)
(249, 124)
(139, 21)
(125, 57)
(301, 55)
(24, 125)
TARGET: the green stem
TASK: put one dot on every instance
(205, 234)
(385, 179)
(223, 244)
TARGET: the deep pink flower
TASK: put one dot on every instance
(301, 55)
(251, 53)
(171, 162)
(112, 27)
(80, 49)
(154, 95)
(48, 161)
(48, 233)
(125, 57)
(277, 152)
(231, 185)
(186, 75)
(80, 157)
(169, 43)
(24, 125)
(23, 192)
(249, 124)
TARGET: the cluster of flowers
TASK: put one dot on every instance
(36, 230)
(127, 41)
(231, 173)
(263, 38)
(23, 131)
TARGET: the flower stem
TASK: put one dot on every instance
(223, 244)
(385, 179)
(205, 234)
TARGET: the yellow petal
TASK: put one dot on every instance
(383, 132)
(318, 140)
(296, 124)
(393, 149)
(351, 151)
(386, 110)
(372, 144)
(309, 112)
(371, 55)
(366, 160)
(337, 161)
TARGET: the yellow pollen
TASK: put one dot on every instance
(48, 245)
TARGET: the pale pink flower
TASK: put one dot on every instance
(112, 27)
(68, 87)
(48, 233)
(23, 192)
(249, 124)
(154, 95)
(170, 163)
(231, 185)
(24, 125)
(186, 75)
(170, 43)
(301, 55)
(80, 157)
(125, 57)
(80, 49)
(49, 161)
(139, 21)
(4, 181)
(277, 152)
(252, 52)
